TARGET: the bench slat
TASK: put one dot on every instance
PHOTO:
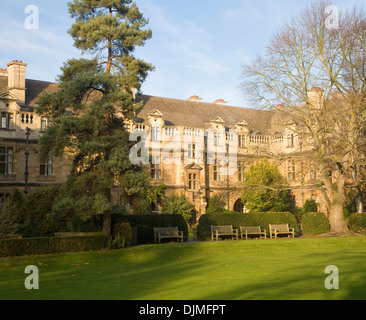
(252, 231)
(277, 229)
(168, 232)
(217, 231)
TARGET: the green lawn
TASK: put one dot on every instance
(227, 270)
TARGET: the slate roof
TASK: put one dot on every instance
(175, 112)
(33, 89)
(197, 114)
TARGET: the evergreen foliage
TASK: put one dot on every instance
(94, 99)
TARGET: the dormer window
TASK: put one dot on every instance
(155, 133)
(218, 141)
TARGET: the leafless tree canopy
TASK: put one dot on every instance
(313, 74)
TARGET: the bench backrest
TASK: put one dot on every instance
(170, 231)
(250, 229)
(222, 229)
(279, 227)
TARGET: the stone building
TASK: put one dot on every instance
(177, 131)
(17, 103)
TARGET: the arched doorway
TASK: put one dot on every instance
(239, 206)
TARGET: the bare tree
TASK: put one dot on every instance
(313, 75)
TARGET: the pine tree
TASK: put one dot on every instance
(94, 99)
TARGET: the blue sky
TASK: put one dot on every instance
(198, 46)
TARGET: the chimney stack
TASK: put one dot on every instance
(16, 80)
(316, 97)
(195, 98)
(3, 72)
(220, 101)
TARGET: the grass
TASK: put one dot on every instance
(285, 269)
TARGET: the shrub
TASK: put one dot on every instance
(50, 245)
(8, 220)
(121, 235)
(215, 205)
(38, 205)
(357, 222)
(310, 206)
(245, 220)
(145, 224)
(12, 214)
(178, 205)
(262, 190)
(314, 223)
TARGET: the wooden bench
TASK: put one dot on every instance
(257, 231)
(167, 233)
(279, 229)
(217, 231)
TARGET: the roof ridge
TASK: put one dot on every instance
(201, 102)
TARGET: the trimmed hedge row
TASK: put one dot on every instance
(50, 245)
(314, 223)
(245, 220)
(145, 224)
(357, 222)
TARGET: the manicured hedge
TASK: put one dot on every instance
(145, 224)
(245, 220)
(314, 223)
(50, 245)
(357, 222)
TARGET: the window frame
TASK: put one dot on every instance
(7, 161)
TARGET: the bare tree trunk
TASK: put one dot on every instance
(336, 219)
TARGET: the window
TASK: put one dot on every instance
(241, 141)
(192, 181)
(217, 172)
(155, 134)
(291, 170)
(7, 121)
(218, 139)
(155, 168)
(6, 160)
(46, 169)
(191, 151)
(241, 171)
(44, 124)
(290, 140)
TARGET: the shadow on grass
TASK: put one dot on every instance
(253, 270)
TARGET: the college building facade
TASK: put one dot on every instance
(194, 131)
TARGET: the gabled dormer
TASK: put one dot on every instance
(242, 127)
(156, 119)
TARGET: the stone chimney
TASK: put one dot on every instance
(195, 98)
(16, 80)
(3, 72)
(316, 97)
(220, 101)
